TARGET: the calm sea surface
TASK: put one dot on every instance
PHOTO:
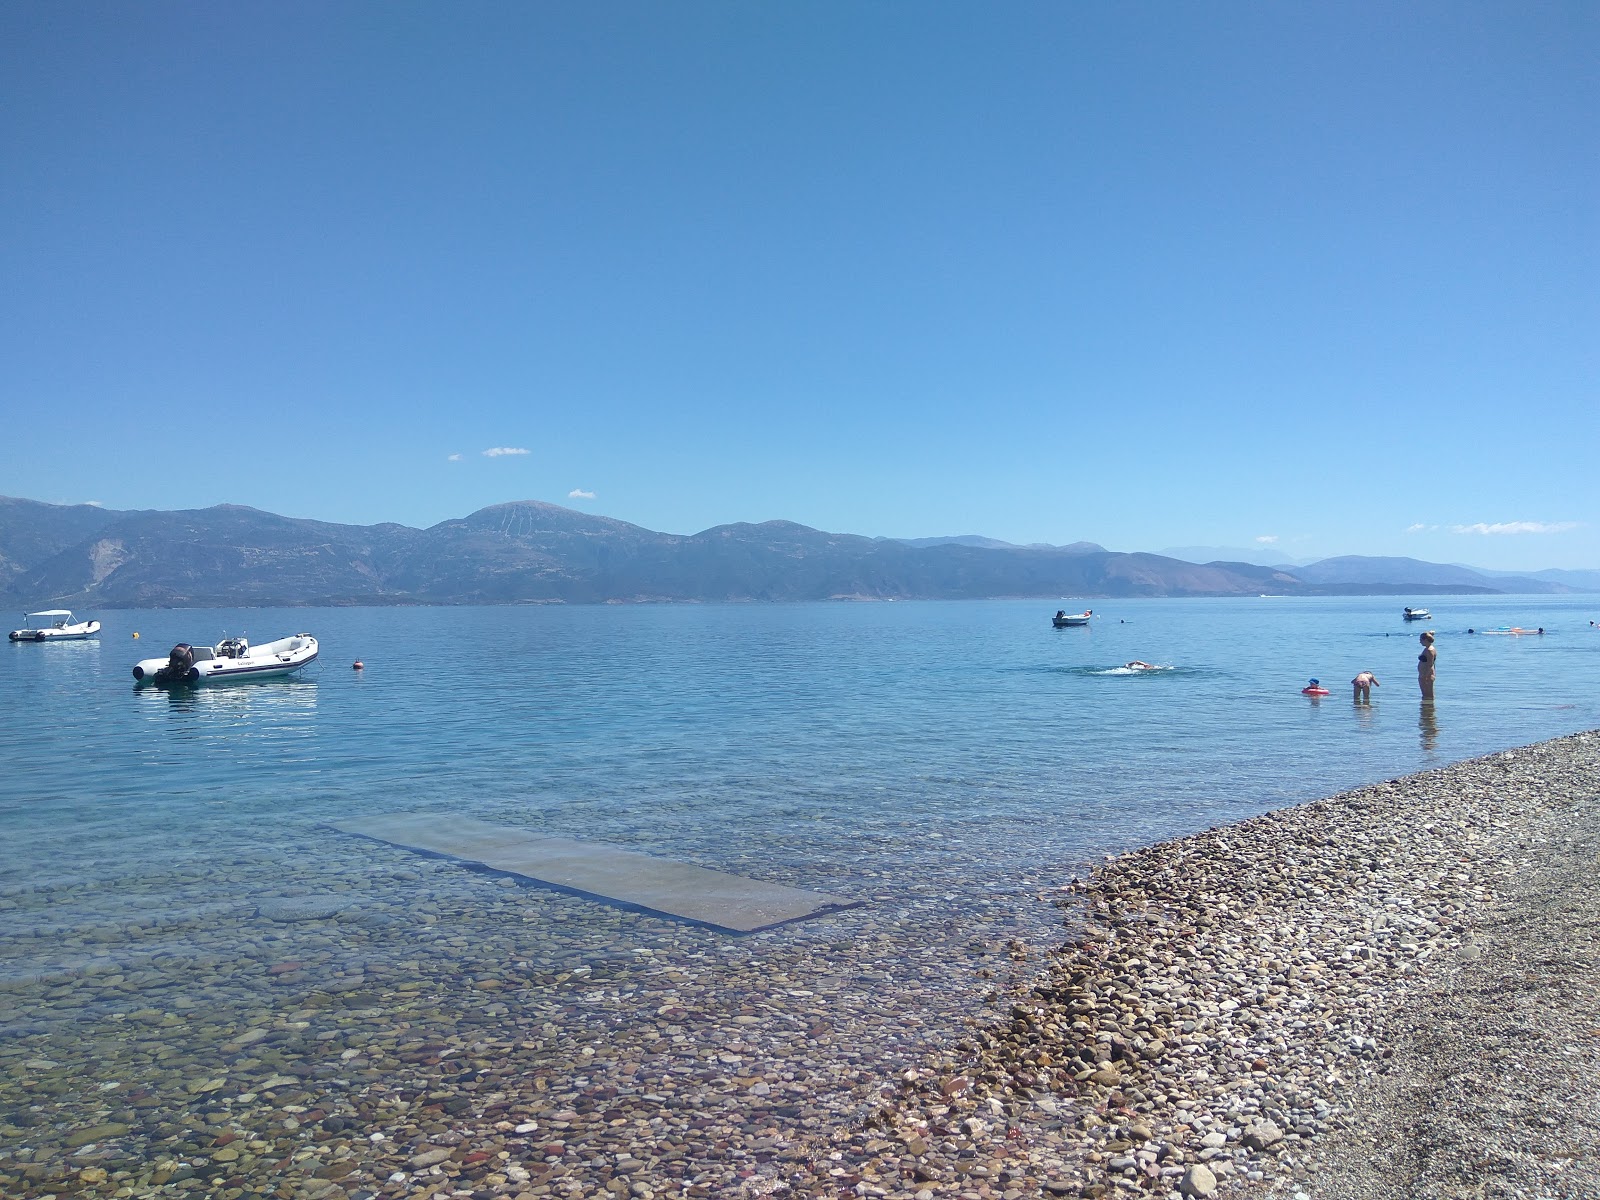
(968, 749)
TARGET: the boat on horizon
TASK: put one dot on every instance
(53, 625)
(1063, 619)
(231, 658)
(1418, 614)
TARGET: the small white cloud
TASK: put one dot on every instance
(502, 451)
(1505, 527)
(1419, 527)
(1267, 539)
(95, 503)
(579, 494)
(453, 458)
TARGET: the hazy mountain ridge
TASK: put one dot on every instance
(987, 543)
(1582, 581)
(30, 531)
(534, 552)
(1261, 556)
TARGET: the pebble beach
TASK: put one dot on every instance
(1387, 993)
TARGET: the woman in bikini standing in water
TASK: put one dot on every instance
(1425, 662)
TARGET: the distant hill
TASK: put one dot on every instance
(1259, 555)
(1405, 575)
(984, 543)
(966, 539)
(529, 552)
(227, 555)
(1582, 581)
(30, 531)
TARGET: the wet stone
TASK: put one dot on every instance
(924, 1045)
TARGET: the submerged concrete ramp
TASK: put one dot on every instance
(603, 872)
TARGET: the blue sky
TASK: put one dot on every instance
(1148, 274)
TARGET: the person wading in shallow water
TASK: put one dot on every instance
(1363, 685)
(1425, 662)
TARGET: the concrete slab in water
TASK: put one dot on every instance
(604, 872)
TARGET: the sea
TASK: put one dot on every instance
(957, 758)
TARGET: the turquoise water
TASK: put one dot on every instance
(967, 746)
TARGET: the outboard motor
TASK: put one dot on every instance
(180, 665)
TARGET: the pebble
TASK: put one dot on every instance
(1205, 1007)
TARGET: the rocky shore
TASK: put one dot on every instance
(1388, 993)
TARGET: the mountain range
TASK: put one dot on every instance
(83, 556)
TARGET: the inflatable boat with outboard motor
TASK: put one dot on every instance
(231, 658)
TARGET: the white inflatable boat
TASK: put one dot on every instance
(232, 658)
(54, 625)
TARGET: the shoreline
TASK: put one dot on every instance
(1253, 1011)
(1387, 993)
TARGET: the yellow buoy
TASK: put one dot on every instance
(136, 635)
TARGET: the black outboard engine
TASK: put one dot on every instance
(180, 665)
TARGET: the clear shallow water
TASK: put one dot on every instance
(968, 747)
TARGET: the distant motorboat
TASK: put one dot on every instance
(1418, 614)
(54, 625)
(231, 658)
(1063, 619)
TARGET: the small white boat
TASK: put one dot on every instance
(231, 658)
(1063, 619)
(1418, 614)
(54, 625)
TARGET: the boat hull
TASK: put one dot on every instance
(72, 633)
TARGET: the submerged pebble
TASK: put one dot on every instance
(1214, 1003)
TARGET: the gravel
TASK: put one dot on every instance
(1388, 993)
